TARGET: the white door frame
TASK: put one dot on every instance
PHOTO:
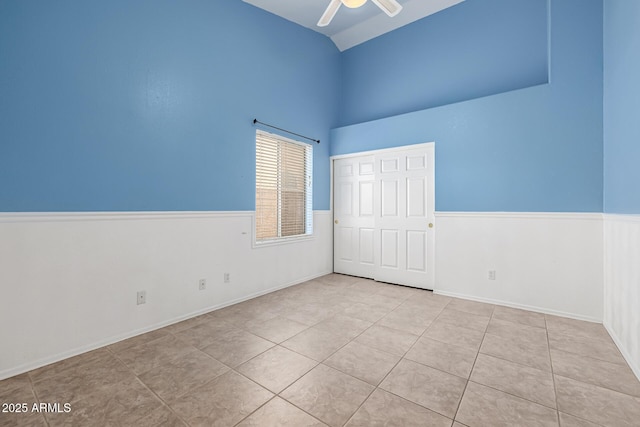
(432, 189)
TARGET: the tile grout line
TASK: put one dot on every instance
(318, 364)
(553, 375)
(164, 404)
(35, 394)
(455, 416)
(403, 357)
(388, 373)
(352, 340)
(278, 395)
(137, 376)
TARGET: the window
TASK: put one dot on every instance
(283, 188)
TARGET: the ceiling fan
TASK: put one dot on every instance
(390, 7)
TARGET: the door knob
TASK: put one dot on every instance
(430, 225)
(336, 221)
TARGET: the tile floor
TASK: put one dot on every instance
(338, 351)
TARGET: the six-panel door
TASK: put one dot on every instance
(383, 208)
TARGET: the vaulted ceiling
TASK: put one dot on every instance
(351, 27)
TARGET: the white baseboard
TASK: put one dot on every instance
(634, 364)
(542, 310)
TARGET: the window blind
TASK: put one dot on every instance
(283, 187)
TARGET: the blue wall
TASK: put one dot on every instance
(622, 106)
(474, 49)
(146, 105)
(537, 149)
(126, 105)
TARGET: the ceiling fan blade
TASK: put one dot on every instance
(329, 13)
(390, 7)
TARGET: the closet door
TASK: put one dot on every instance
(383, 216)
(354, 221)
(404, 238)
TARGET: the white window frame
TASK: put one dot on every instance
(308, 196)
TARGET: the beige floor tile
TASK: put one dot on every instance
(344, 325)
(382, 301)
(446, 357)
(178, 377)
(124, 404)
(280, 413)
(484, 406)
(333, 320)
(236, 347)
(388, 340)
(366, 312)
(186, 324)
(234, 315)
(536, 356)
(602, 349)
(76, 384)
(68, 365)
(204, 334)
(523, 317)
(224, 401)
(277, 368)
(365, 363)
(406, 321)
(597, 404)
(161, 417)
(522, 381)
(597, 372)
(571, 421)
(328, 395)
(277, 329)
(310, 313)
(315, 343)
(24, 416)
(138, 340)
(431, 388)
(455, 335)
(383, 409)
(423, 308)
(13, 383)
(395, 291)
(576, 328)
(257, 313)
(418, 309)
(473, 307)
(429, 298)
(518, 332)
(366, 286)
(145, 357)
(349, 297)
(464, 319)
(338, 279)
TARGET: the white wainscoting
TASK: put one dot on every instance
(622, 284)
(545, 262)
(68, 282)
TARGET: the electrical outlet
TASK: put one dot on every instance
(142, 297)
(492, 275)
(202, 284)
(227, 278)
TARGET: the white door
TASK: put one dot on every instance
(398, 230)
(354, 222)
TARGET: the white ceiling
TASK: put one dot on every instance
(351, 27)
